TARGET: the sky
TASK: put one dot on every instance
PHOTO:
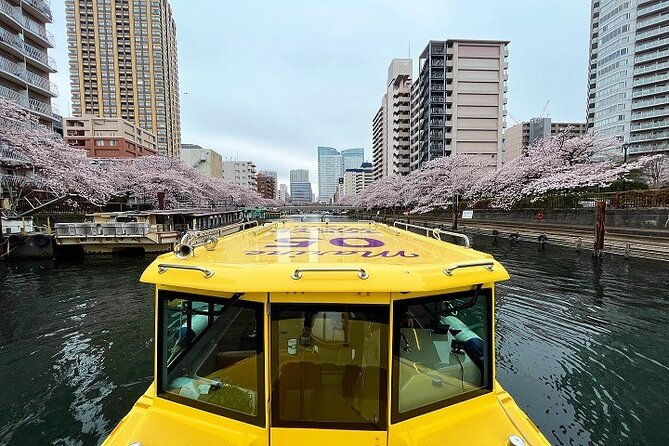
(270, 81)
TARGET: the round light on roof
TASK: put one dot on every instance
(515, 440)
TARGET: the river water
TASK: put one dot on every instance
(582, 345)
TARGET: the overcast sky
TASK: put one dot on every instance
(271, 80)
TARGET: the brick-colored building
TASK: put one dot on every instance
(109, 137)
(266, 186)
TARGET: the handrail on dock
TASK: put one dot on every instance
(435, 232)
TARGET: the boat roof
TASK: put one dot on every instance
(189, 212)
(338, 257)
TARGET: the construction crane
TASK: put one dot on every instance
(543, 112)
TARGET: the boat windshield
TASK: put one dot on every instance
(329, 366)
(211, 354)
(442, 351)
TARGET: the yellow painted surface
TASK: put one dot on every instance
(246, 262)
(264, 259)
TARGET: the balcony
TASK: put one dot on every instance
(9, 67)
(652, 44)
(41, 7)
(653, 32)
(651, 79)
(42, 83)
(12, 12)
(40, 56)
(11, 41)
(650, 114)
(652, 56)
(651, 68)
(650, 136)
(650, 91)
(656, 7)
(652, 21)
(650, 125)
(649, 102)
(39, 32)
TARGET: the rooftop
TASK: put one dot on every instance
(323, 257)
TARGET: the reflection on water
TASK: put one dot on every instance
(582, 345)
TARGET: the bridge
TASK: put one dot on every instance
(317, 208)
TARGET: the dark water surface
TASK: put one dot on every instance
(583, 346)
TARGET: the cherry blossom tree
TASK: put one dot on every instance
(42, 160)
(656, 171)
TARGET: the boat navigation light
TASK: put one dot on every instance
(515, 440)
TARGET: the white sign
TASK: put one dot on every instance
(467, 214)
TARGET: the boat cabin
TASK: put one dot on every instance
(329, 333)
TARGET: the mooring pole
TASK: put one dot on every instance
(455, 212)
(600, 218)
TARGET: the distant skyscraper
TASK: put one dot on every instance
(459, 101)
(391, 124)
(299, 176)
(123, 64)
(628, 92)
(25, 64)
(283, 195)
(331, 167)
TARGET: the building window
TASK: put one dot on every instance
(99, 142)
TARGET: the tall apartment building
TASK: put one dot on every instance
(459, 101)
(357, 180)
(331, 166)
(391, 125)
(628, 90)
(207, 161)
(379, 141)
(123, 64)
(109, 137)
(521, 135)
(266, 186)
(242, 173)
(275, 177)
(283, 195)
(25, 65)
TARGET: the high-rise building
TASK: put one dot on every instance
(109, 137)
(379, 141)
(123, 64)
(242, 173)
(391, 125)
(283, 195)
(521, 135)
(301, 193)
(628, 90)
(357, 180)
(204, 160)
(273, 175)
(459, 101)
(331, 167)
(25, 64)
(266, 186)
(299, 176)
(352, 158)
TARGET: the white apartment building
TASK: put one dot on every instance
(628, 90)
(204, 160)
(357, 180)
(242, 173)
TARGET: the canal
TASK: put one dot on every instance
(583, 346)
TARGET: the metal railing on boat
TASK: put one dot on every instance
(433, 232)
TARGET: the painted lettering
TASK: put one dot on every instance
(386, 254)
(356, 242)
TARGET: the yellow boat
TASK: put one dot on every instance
(294, 333)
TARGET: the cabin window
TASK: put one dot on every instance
(329, 366)
(442, 351)
(211, 354)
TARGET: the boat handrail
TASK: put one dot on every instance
(436, 232)
(297, 274)
(488, 264)
(163, 267)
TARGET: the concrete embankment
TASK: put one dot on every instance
(651, 242)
